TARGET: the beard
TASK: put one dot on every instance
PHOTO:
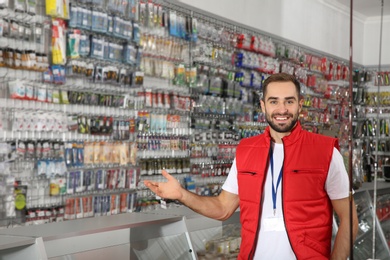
(284, 128)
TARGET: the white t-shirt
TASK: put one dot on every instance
(273, 242)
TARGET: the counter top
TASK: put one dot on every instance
(9, 241)
(85, 226)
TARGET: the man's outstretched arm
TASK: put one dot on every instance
(219, 207)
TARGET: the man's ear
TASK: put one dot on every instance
(301, 101)
(262, 106)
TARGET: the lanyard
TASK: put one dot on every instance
(274, 190)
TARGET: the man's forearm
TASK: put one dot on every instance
(341, 248)
(203, 204)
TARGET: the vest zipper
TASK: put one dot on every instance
(252, 252)
(283, 188)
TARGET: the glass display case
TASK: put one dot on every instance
(162, 234)
(363, 247)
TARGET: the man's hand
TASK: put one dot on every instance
(171, 189)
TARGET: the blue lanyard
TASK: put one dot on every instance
(274, 190)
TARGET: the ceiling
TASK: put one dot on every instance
(364, 8)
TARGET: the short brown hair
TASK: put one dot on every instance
(281, 77)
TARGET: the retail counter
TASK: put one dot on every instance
(163, 234)
(364, 196)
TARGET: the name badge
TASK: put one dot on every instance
(273, 224)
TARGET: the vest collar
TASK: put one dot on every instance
(291, 138)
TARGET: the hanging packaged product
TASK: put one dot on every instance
(138, 78)
(179, 79)
(31, 7)
(58, 73)
(192, 29)
(215, 84)
(73, 43)
(57, 185)
(114, 52)
(20, 193)
(17, 89)
(191, 76)
(130, 54)
(19, 6)
(133, 9)
(73, 19)
(57, 8)
(97, 47)
(136, 33)
(58, 42)
(173, 23)
(99, 21)
(84, 18)
(38, 33)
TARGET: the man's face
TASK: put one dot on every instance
(281, 106)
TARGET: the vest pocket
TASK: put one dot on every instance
(305, 184)
(247, 172)
(308, 171)
(249, 183)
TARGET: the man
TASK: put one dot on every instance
(287, 183)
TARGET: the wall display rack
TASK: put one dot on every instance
(123, 93)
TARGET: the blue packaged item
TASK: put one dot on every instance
(100, 179)
(80, 155)
(110, 25)
(47, 76)
(173, 26)
(95, 27)
(70, 182)
(84, 47)
(97, 206)
(86, 19)
(136, 33)
(78, 181)
(79, 17)
(132, 9)
(99, 21)
(97, 47)
(116, 26)
(73, 16)
(68, 155)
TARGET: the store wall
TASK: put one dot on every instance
(371, 42)
(311, 23)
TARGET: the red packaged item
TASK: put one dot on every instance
(69, 209)
(324, 67)
(330, 71)
(345, 74)
(240, 40)
(311, 80)
(123, 202)
(338, 72)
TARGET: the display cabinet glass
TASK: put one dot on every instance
(363, 247)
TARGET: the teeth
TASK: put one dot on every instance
(281, 118)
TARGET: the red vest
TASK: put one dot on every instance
(307, 208)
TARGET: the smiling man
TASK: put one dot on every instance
(287, 183)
